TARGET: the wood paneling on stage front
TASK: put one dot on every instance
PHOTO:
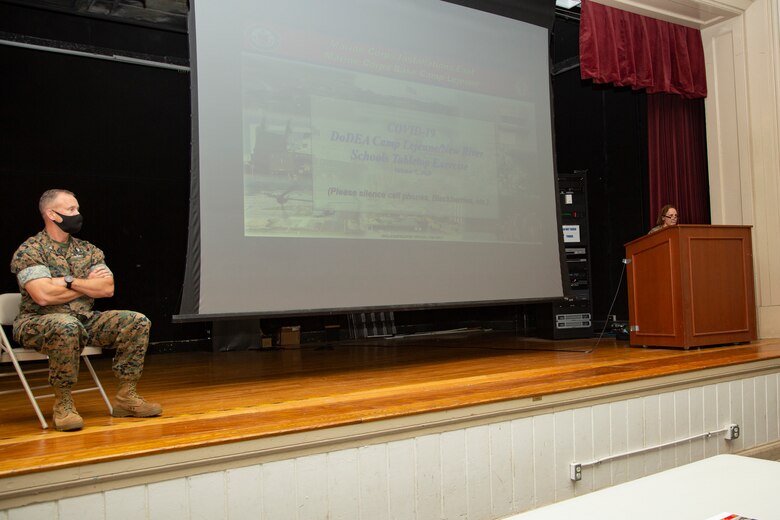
(480, 426)
(211, 399)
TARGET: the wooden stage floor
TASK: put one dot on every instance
(214, 398)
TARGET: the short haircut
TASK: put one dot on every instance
(48, 197)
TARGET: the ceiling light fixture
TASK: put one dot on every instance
(567, 4)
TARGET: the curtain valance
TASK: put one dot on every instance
(627, 49)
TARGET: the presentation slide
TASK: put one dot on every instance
(337, 140)
(341, 153)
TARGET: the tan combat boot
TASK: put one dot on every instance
(130, 404)
(66, 418)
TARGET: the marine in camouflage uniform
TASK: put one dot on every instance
(61, 329)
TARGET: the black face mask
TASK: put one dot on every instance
(70, 224)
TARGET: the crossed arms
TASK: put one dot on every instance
(99, 283)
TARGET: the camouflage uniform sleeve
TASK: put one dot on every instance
(98, 259)
(29, 264)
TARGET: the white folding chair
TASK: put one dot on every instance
(9, 308)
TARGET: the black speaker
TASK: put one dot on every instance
(571, 317)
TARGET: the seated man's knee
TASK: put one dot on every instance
(70, 327)
(67, 333)
(139, 323)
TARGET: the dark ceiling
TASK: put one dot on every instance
(162, 14)
(172, 14)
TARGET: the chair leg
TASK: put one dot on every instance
(29, 393)
(98, 384)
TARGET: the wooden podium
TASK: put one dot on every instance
(691, 285)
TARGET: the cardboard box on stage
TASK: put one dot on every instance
(290, 336)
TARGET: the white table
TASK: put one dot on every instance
(696, 491)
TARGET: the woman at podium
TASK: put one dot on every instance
(666, 217)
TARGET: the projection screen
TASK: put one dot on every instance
(368, 154)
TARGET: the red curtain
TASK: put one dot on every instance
(667, 60)
(677, 157)
(627, 49)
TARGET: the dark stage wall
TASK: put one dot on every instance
(603, 130)
(119, 136)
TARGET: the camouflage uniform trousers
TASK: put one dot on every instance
(63, 336)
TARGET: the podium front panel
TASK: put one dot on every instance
(718, 290)
(654, 306)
